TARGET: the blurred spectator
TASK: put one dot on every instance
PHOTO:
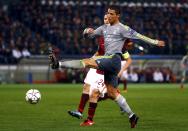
(26, 53)
(148, 74)
(134, 76)
(35, 23)
(62, 24)
(130, 75)
(16, 53)
(158, 76)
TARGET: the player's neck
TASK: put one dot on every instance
(116, 22)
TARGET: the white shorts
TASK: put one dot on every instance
(96, 81)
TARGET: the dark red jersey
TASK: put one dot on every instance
(101, 46)
(100, 50)
(126, 45)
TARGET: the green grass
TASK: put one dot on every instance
(161, 107)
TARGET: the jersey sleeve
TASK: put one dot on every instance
(127, 32)
(97, 32)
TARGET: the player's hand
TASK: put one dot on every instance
(88, 31)
(120, 74)
(161, 43)
(54, 63)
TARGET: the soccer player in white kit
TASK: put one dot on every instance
(94, 88)
(115, 35)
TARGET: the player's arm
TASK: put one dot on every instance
(130, 33)
(91, 33)
(96, 54)
(183, 61)
(128, 59)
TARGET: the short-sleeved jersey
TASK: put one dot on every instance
(101, 47)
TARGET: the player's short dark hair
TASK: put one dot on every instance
(116, 8)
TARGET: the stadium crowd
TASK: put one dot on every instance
(17, 40)
(29, 27)
(32, 24)
(62, 22)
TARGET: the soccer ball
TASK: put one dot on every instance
(33, 96)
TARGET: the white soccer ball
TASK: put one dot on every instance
(33, 96)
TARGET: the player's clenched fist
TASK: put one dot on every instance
(88, 31)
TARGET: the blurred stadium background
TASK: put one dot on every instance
(29, 27)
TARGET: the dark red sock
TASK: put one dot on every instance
(83, 100)
(125, 85)
(103, 98)
(91, 110)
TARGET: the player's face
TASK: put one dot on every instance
(106, 19)
(112, 16)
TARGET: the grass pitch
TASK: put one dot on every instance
(161, 107)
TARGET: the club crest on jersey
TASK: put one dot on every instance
(115, 31)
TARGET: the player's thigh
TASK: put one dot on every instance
(86, 88)
(110, 64)
(112, 92)
(89, 79)
(111, 79)
(98, 84)
(90, 62)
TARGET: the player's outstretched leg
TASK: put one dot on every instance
(83, 100)
(91, 112)
(78, 113)
(92, 108)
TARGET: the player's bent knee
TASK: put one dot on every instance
(112, 93)
(90, 63)
(94, 96)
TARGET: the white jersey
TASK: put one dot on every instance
(96, 81)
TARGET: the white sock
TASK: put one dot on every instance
(72, 64)
(121, 101)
